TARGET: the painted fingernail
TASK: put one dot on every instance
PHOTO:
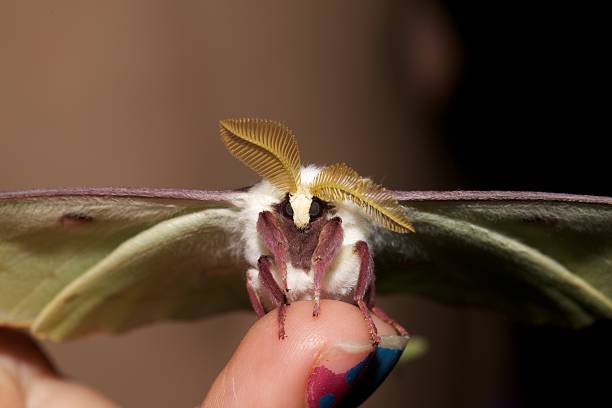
(335, 372)
(380, 365)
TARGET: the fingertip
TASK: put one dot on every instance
(28, 378)
(18, 346)
(317, 358)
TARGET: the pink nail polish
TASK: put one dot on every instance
(335, 372)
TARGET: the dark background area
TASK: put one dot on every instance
(530, 113)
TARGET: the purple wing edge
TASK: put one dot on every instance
(498, 196)
(127, 192)
(226, 195)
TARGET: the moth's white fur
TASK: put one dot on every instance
(340, 277)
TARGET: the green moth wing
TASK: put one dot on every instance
(74, 262)
(543, 258)
(84, 260)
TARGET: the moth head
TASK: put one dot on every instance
(299, 206)
(302, 209)
(270, 149)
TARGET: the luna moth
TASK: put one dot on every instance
(82, 260)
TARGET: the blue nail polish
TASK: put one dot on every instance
(384, 359)
(335, 372)
(354, 372)
(327, 401)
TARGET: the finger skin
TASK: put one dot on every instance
(268, 372)
(27, 378)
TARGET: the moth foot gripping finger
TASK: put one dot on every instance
(385, 318)
(282, 313)
(328, 244)
(317, 306)
(365, 285)
(377, 311)
(365, 312)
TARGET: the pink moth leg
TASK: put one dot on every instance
(364, 281)
(276, 242)
(381, 314)
(276, 293)
(329, 242)
(366, 288)
(255, 302)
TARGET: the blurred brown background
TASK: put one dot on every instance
(128, 93)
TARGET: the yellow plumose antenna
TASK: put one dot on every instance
(266, 146)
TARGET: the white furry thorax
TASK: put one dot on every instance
(341, 276)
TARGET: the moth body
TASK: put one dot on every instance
(341, 275)
(306, 229)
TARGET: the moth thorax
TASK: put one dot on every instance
(300, 203)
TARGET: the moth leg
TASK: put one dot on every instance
(276, 242)
(329, 242)
(279, 298)
(385, 318)
(365, 280)
(381, 314)
(377, 311)
(255, 301)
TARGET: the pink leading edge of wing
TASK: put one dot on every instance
(497, 196)
(205, 195)
(164, 193)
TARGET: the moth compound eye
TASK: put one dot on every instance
(315, 209)
(288, 210)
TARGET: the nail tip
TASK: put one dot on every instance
(336, 371)
(357, 383)
(394, 342)
(383, 361)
